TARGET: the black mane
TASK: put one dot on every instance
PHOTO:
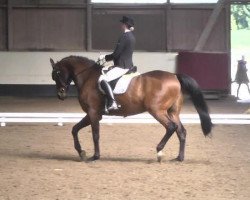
(80, 59)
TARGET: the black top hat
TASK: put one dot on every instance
(128, 21)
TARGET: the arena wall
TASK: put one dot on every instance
(25, 73)
(34, 67)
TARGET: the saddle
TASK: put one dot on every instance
(132, 71)
(121, 84)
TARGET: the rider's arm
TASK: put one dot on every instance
(118, 50)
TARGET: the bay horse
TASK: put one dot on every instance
(158, 92)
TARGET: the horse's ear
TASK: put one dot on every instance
(52, 62)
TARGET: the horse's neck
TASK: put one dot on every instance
(86, 78)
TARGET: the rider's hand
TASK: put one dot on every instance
(102, 58)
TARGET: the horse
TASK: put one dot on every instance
(159, 93)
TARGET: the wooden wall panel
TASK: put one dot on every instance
(149, 28)
(3, 2)
(61, 25)
(3, 29)
(187, 25)
(217, 41)
(49, 29)
(48, 2)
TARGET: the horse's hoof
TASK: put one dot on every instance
(83, 155)
(93, 158)
(179, 158)
(210, 135)
(159, 156)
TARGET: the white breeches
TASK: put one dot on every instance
(113, 74)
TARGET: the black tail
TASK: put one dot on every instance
(190, 86)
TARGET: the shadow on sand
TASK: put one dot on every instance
(40, 155)
(75, 158)
(62, 157)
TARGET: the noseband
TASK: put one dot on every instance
(56, 75)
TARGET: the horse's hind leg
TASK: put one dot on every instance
(181, 133)
(83, 123)
(170, 129)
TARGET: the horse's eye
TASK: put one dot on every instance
(58, 72)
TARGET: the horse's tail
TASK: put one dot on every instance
(190, 86)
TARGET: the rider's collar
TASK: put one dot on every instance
(127, 30)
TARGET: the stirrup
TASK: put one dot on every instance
(114, 106)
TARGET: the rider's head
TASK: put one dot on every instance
(127, 23)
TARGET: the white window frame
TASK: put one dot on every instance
(193, 1)
(130, 1)
(155, 1)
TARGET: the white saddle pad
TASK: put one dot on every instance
(123, 83)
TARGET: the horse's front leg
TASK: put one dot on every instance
(95, 117)
(83, 123)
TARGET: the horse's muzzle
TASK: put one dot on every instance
(61, 93)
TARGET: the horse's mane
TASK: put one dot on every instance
(82, 60)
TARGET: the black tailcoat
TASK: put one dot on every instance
(122, 55)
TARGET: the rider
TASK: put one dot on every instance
(122, 58)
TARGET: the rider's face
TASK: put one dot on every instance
(123, 27)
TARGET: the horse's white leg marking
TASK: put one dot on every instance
(159, 156)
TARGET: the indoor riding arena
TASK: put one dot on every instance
(40, 155)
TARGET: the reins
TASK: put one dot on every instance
(82, 71)
(96, 63)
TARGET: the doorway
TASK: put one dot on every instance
(240, 44)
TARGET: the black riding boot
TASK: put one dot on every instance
(112, 105)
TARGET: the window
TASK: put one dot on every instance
(154, 1)
(129, 1)
(193, 1)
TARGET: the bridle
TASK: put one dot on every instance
(56, 75)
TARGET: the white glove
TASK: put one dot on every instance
(102, 57)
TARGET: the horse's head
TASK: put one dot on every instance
(61, 75)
